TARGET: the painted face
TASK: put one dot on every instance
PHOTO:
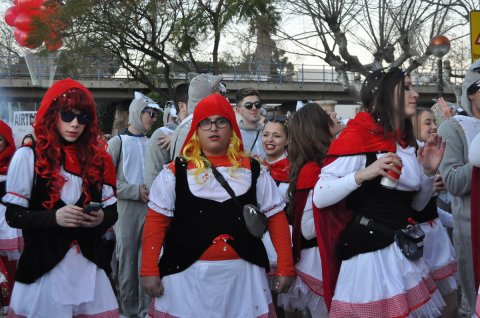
(3, 144)
(250, 116)
(214, 134)
(148, 117)
(274, 140)
(427, 126)
(337, 126)
(411, 97)
(69, 126)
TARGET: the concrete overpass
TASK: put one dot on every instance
(115, 91)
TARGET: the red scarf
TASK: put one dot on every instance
(72, 165)
(279, 170)
(7, 154)
(362, 135)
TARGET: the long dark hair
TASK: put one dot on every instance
(308, 140)
(379, 98)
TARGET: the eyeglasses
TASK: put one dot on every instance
(282, 119)
(220, 122)
(257, 104)
(152, 113)
(68, 116)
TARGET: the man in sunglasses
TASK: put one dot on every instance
(128, 154)
(249, 107)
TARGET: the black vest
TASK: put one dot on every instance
(45, 248)
(198, 221)
(389, 207)
(428, 213)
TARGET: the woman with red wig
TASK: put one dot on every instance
(62, 270)
(211, 265)
(11, 242)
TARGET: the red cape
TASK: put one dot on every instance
(306, 181)
(361, 135)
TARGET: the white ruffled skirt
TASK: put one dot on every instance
(216, 289)
(439, 254)
(385, 284)
(307, 289)
(76, 287)
(11, 240)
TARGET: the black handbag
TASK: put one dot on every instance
(255, 221)
(410, 241)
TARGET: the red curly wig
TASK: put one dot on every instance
(85, 157)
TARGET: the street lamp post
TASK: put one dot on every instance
(439, 46)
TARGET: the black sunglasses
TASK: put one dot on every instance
(68, 116)
(152, 113)
(257, 104)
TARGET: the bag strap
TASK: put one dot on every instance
(119, 154)
(225, 184)
(371, 224)
(222, 182)
(255, 141)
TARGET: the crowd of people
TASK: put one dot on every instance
(375, 218)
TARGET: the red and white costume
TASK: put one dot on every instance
(11, 241)
(383, 282)
(219, 283)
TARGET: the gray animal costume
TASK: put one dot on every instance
(200, 87)
(456, 172)
(128, 153)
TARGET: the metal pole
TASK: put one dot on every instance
(440, 77)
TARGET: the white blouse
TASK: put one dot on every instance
(20, 182)
(337, 180)
(162, 193)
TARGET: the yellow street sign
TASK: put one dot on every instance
(475, 34)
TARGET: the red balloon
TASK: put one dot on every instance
(15, 2)
(22, 38)
(29, 4)
(10, 16)
(55, 44)
(24, 21)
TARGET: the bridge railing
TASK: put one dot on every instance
(100, 69)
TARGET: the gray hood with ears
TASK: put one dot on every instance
(471, 76)
(139, 103)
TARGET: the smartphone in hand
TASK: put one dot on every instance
(92, 206)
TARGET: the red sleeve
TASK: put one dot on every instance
(280, 235)
(154, 231)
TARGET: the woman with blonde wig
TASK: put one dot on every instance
(211, 265)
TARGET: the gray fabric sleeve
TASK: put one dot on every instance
(125, 191)
(155, 158)
(455, 169)
(179, 138)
